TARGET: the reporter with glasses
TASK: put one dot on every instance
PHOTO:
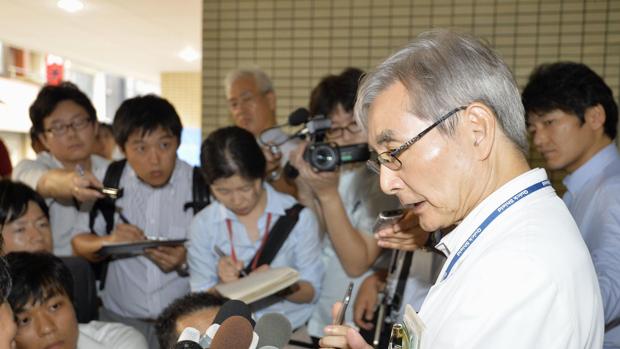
(347, 200)
(65, 122)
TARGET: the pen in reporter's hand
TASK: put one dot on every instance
(221, 253)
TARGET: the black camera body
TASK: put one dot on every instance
(326, 156)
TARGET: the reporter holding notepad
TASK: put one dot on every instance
(241, 223)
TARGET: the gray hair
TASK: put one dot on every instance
(443, 70)
(262, 80)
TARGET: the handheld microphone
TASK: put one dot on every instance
(228, 309)
(188, 339)
(234, 333)
(274, 330)
(231, 308)
(298, 117)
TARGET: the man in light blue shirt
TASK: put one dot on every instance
(572, 116)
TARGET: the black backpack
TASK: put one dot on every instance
(107, 205)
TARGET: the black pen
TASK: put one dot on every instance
(126, 221)
(221, 253)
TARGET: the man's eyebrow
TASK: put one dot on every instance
(385, 136)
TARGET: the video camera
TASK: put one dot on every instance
(322, 155)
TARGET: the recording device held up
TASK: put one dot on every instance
(321, 154)
(327, 156)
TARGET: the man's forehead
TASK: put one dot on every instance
(386, 114)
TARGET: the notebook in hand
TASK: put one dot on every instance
(127, 249)
(257, 286)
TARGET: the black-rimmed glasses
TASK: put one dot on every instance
(337, 132)
(60, 129)
(390, 159)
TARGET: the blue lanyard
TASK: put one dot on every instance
(501, 209)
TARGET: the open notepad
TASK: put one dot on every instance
(259, 285)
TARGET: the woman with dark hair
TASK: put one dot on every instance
(240, 221)
(24, 219)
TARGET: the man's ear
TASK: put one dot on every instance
(480, 124)
(595, 117)
(271, 100)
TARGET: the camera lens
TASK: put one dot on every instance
(324, 157)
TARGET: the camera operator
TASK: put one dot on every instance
(346, 200)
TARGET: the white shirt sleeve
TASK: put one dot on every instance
(109, 335)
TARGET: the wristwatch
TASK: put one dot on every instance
(183, 270)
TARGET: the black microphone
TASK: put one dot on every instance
(273, 330)
(231, 308)
(189, 339)
(298, 117)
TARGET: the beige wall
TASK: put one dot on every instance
(299, 41)
(182, 89)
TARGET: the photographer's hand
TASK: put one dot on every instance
(323, 184)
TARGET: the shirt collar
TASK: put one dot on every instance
(576, 180)
(457, 237)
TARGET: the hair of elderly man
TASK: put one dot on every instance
(443, 70)
(262, 79)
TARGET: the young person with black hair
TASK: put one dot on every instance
(197, 310)
(572, 117)
(65, 122)
(157, 185)
(42, 296)
(24, 219)
(8, 329)
(24, 223)
(240, 221)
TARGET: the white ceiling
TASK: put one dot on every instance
(139, 38)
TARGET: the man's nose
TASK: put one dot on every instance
(389, 180)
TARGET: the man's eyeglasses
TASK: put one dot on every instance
(337, 132)
(246, 100)
(60, 129)
(390, 159)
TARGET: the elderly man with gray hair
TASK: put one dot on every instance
(252, 104)
(445, 116)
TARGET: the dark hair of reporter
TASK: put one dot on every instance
(50, 96)
(232, 151)
(572, 88)
(146, 114)
(14, 199)
(335, 89)
(37, 277)
(165, 327)
(5, 281)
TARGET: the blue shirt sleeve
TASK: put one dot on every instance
(201, 258)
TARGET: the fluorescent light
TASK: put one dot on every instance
(188, 54)
(70, 6)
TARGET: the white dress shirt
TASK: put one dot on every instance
(64, 215)
(136, 287)
(109, 335)
(593, 198)
(527, 281)
(301, 251)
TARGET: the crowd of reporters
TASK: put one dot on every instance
(58, 290)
